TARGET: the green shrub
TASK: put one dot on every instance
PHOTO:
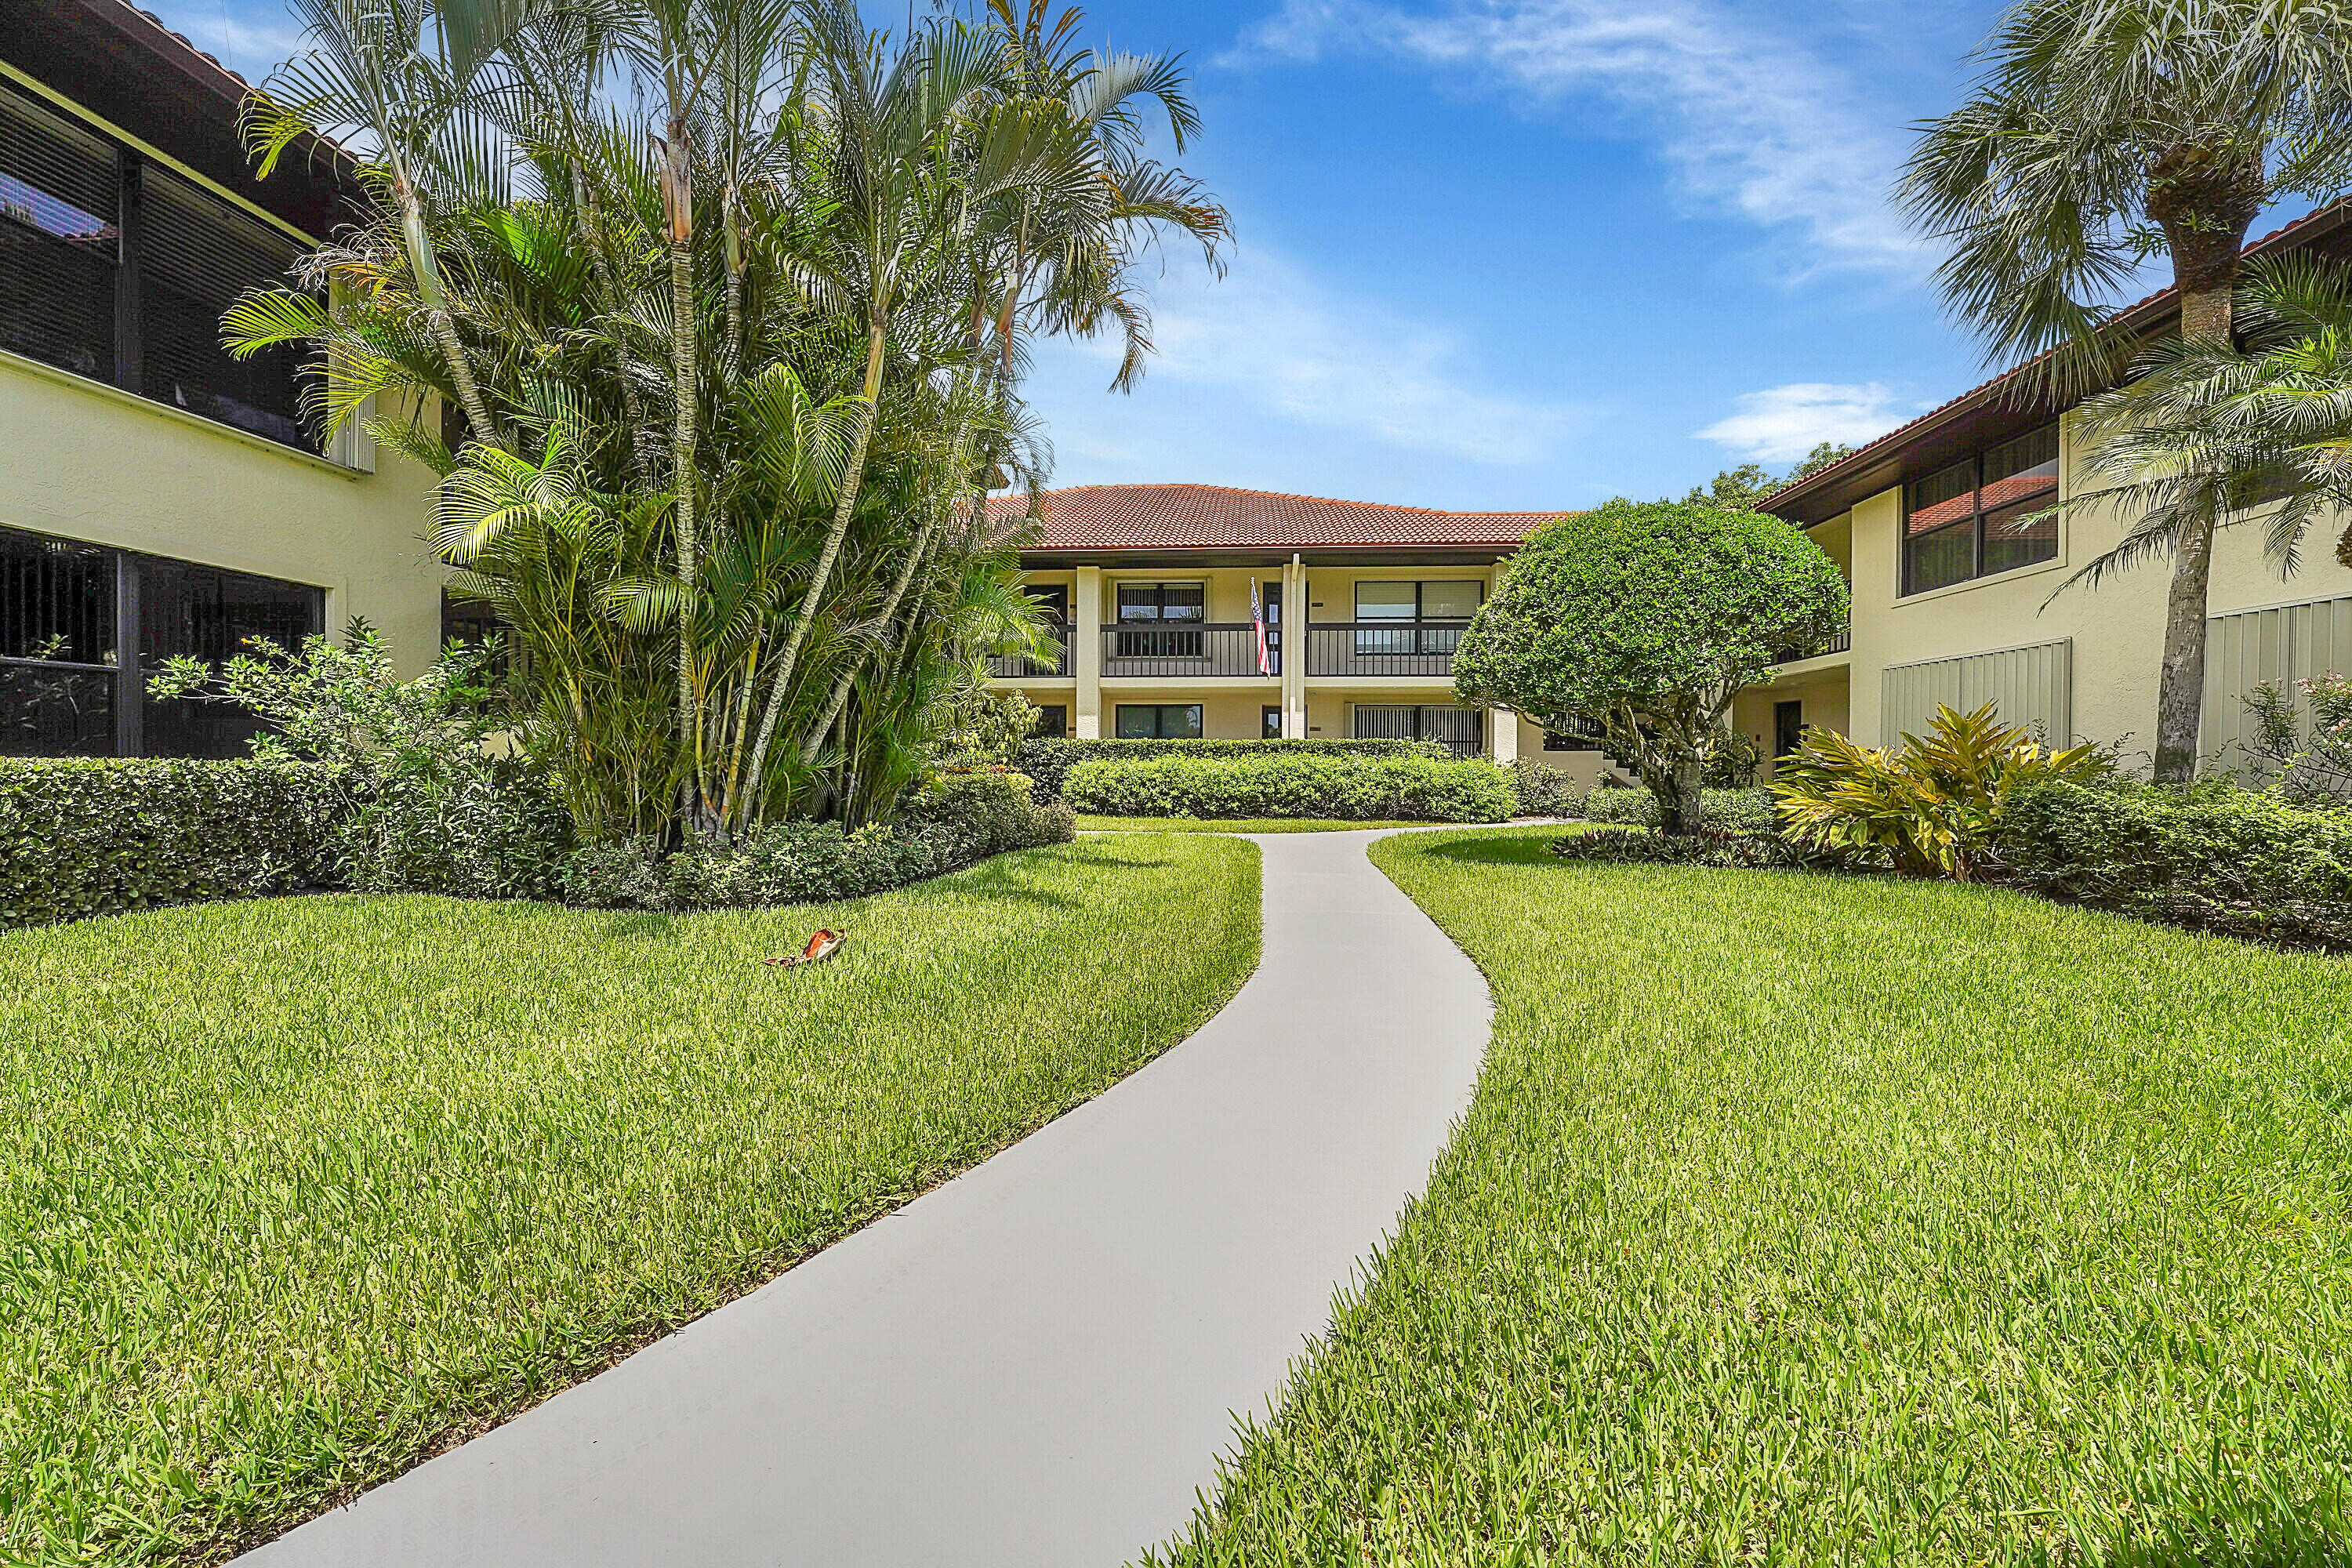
(99, 835)
(485, 827)
(959, 820)
(1048, 761)
(2216, 858)
(1546, 790)
(1729, 810)
(1931, 809)
(1354, 789)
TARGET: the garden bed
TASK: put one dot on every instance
(296, 1189)
(1802, 1218)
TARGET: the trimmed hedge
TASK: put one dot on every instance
(1727, 810)
(2213, 857)
(961, 819)
(99, 835)
(1049, 761)
(1356, 789)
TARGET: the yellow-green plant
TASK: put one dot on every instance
(1929, 809)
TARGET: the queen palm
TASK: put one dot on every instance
(2104, 132)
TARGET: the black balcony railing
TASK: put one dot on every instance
(1841, 643)
(1157, 648)
(1019, 667)
(1383, 648)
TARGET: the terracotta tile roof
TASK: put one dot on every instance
(2286, 237)
(1212, 516)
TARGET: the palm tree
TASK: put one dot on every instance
(886, 160)
(2104, 132)
(402, 77)
(2206, 434)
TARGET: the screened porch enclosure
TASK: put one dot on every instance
(1461, 731)
(82, 626)
(118, 269)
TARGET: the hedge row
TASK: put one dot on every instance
(2216, 858)
(1729, 810)
(1356, 789)
(91, 836)
(1049, 761)
(961, 820)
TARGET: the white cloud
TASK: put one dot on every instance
(1782, 424)
(1749, 119)
(1271, 335)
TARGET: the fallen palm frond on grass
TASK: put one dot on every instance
(1812, 1220)
(294, 1189)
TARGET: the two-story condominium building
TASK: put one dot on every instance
(156, 496)
(1160, 592)
(1952, 605)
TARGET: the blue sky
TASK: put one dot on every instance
(1513, 254)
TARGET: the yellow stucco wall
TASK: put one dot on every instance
(86, 462)
(2116, 630)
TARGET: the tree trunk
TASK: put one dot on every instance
(1681, 810)
(438, 318)
(815, 741)
(677, 195)
(2204, 204)
(843, 509)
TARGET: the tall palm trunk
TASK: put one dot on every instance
(844, 508)
(677, 194)
(438, 318)
(814, 743)
(2204, 205)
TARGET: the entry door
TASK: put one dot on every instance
(1788, 727)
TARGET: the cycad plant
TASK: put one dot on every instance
(2106, 132)
(712, 281)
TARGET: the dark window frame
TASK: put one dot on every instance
(139, 303)
(1159, 712)
(1160, 617)
(1053, 721)
(1972, 526)
(1269, 721)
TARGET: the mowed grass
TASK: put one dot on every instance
(1801, 1220)
(295, 1190)
(1231, 825)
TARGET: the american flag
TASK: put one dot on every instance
(1257, 620)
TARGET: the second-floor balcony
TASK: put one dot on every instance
(1020, 667)
(1195, 649)
(1383, 648)
(1843, 642)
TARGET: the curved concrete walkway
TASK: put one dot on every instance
(1037, 1363)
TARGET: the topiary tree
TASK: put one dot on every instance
(1649, 618)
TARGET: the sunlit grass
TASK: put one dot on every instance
(1231, 825)
(1809, 1220)
(292, 1189)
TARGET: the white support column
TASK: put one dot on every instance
(1086, 654)
(1294, 621)
(1503, 735)
(1502, 725)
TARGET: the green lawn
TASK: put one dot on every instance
(1232, 825)
(1802, 1220)
(294, 1188)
